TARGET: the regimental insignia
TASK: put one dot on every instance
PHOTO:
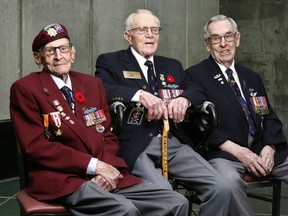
(100, 128)
(52, 32)
(136, 115)
(260, 105)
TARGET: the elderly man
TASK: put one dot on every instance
(69, 144)
(142, 80)
(250, 137)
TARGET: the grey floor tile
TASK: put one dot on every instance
(10, 208)
(9, 187)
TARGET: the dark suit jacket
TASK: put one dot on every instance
(59, 163)
(233, 125)
(110, 66)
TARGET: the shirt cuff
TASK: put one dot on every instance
(136, 97)
(91, 169)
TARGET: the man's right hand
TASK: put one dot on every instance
(154, 105)
(106, 175)
(248, 158)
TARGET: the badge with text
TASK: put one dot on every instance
(168, 94)
(132, 75)
(56, 118)
(136, 115)
(260, 105)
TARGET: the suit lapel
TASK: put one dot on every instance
(130, 64)
(220, 81)
(56, 99)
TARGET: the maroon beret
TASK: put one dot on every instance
(50, 33)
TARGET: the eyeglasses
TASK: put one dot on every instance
(52, 50)
(144, 30)
(217, 39)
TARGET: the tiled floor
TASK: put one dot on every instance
(10, 187)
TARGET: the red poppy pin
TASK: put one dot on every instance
(170, 79)
(79, 97)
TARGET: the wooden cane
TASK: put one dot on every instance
(166, 129)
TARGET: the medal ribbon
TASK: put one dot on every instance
(56, 118)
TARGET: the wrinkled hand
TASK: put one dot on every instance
(102, 182)
(107, 176)
(154, 105)
(266, 158)
(177, 109)
(249, 159)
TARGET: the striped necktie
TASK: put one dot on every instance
(241, 100)
(68, 95)
(151, 77)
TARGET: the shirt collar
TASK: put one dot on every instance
(223, 69)
(140, 59)
(60, 83)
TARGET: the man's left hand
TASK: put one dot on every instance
(266, 158)
(177, 109)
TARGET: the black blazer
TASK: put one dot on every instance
(110, 66)
(233, 125)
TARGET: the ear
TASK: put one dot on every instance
(37, 58)
(128, 37)
(237, 37)
(207, 45)
(73, 54)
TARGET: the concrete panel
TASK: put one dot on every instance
(108, 25)
(74, 14)
(172, 15)
(95, 26)
(199, 13)
(9, 46)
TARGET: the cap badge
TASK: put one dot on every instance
(52, 32)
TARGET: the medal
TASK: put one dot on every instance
(55, 116)
(58, 132)
(260, 105)
(93, 116)
(47, 133)
(168, 94)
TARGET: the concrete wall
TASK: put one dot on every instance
(95, 26)
(264, 44)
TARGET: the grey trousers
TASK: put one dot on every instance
(233, 172)
(188, 166)
(143, 199)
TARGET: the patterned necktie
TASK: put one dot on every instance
(68, 95)
(241, 100)
(151, 77)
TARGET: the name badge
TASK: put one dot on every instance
(132, 75)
